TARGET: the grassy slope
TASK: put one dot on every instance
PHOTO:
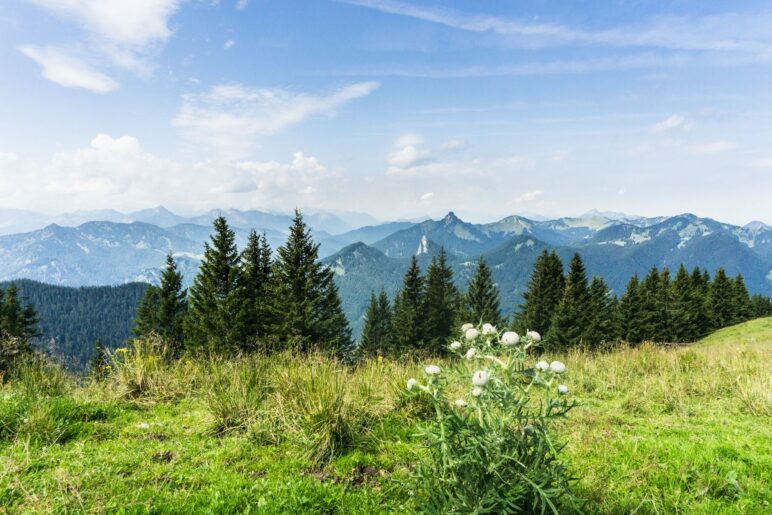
(659, 431)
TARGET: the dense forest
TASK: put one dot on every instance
(73, 319)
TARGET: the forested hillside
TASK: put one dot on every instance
(72, 319)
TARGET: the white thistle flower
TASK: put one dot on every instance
(488, 329)
(411, 383)
(533, 335)
(476, 391)
(461, 403)
(543, 366)
(557, 367)
(432, 370)
(466, 327)
(510, 338)
(455, 345)
(480, 378)
(562, 389)
(471, 334)
(470, 353)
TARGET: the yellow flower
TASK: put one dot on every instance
(122, 350)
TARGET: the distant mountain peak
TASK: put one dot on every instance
(451, 218)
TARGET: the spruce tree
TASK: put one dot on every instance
(408, 318)
(701, 301)
(376, 335)
(761, 306)
(630, 312)
(544, 292)
(572, 316)
(685, 311)
(172, 306)
(256, 276)
(722, 308)
(602, 326)
(441, 303)
(214, 323)
(16, 319)
(741, 300)
(481, 302)
(307, 307)
(146, 319)
(651, 306)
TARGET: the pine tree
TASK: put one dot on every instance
(172, 307)
(214, 323)
(722, 308)
(308, 310)
(441, 303)
(17, 320)
(146, 319)
(256, 276)
(544, 292)
(741, 300)
(376, 335)
(630, 313)
(602, 327)
(573, 313)
(481, 302)
(761, 306)
(408, 319)
(651, 306)
(701, 301)
(684, 315)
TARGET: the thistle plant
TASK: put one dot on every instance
(488, 447)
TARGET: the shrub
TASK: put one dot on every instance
(145, 369)
(490, 450)
(236, 391)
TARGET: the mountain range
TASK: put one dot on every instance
(80, 250)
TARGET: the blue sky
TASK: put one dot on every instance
(395, 108)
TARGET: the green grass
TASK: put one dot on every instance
(659, 430)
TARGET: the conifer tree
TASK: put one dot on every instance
(172, 306)
(441, 303)
(684, 313)
(741, 300)
(99, 362)
(214, 323)
(573, 313)
(16, 319)
(408, 318)
(630, 312)
(651, 306)
(376, 335)
(308, 310)
(256, 275)
(701, 301)
(722, 309)
(761, 306)
(146, 319)
(481, 302)
(544, 292)
(602, 326)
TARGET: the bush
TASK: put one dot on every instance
(490, 450)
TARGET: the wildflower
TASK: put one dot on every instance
(466, 327)
(122, 350)
(557, 367)
(480, 378)
(432, 370)
(471, 333)
(455, 345)
(476, 391)
(562, 389)
(143, 425)
(461, 403)
(533, 335)
(470, 353)
(510, 338)
(543, 366)
(488, 329)
(411, 383)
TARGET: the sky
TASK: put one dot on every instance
(395, 108)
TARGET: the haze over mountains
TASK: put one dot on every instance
(108, 247)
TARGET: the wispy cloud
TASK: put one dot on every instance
(230, 117)
(671, 122)
(228, 44)
(68, 71)
(705, 149)
(529, 196)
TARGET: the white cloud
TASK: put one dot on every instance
(230, 117)
(529, 196)
(242, 4)
(406, 153)
(119, 32)
(671, 122)
(68, 71)
(426, 197)
(228, 44)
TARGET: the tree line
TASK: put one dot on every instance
(569, 310)
(244, 301)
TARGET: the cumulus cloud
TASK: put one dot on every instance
(115, 32)
(68, 71)
(230, 117)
